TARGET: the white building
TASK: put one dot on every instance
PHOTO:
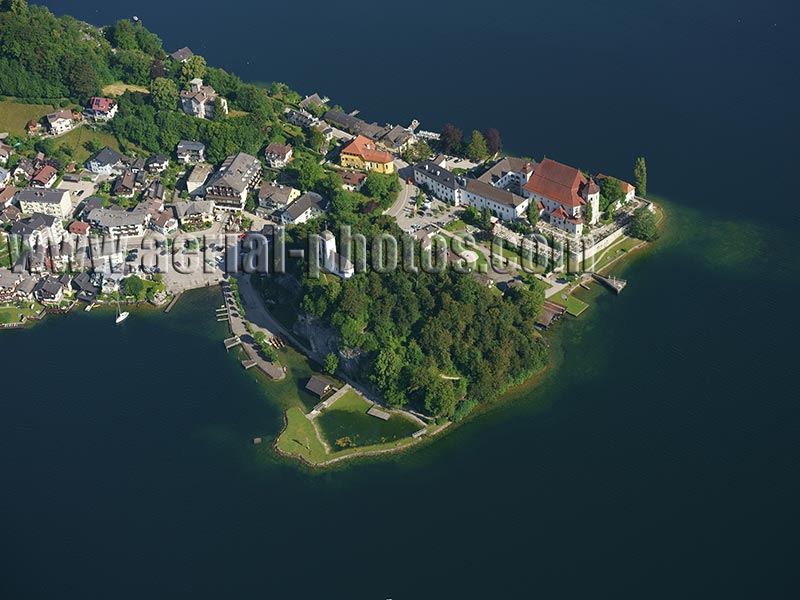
(330, 260)
(199, 100)
(228, 187)
(308, 206)
(106, 162)
(60, 121)
(46, 201)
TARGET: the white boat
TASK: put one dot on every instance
(89, 307)
(121, 316)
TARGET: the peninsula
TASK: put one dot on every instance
(418, 270)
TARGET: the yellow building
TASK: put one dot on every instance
(362, 154)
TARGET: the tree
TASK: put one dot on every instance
(643, 225)
(589, 212)
(533, 212)
(315, 139)
(331, 363)
(93, 145)
(476, 149)
(450, 138)
(133, 286)
(610, 192)
(307, 171)
(640, 177)
(194, 68)
(493, 141)
(164, 93)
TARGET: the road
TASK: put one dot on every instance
(406, 191)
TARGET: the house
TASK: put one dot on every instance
(89, 205)
(396, 139)
(355, 125)
(9, 280)
(273, 196)
(155, 190)
(361, 153)
(60, 121)
(196, 213)
(5, 177)
(301, 118)
(199, 100)
(33, 127)
(165, 222)
(555, 185)
(628, 189)
(50, 289)
(44, 177)
(314, 99)
(5, 153)
(319, 386)
(134, 164)
(191, 152)
(228, 187)
(182, 55)
(101, 109)
(78, 228)
(106, 162)
(24, 170)
(157, 163)
(85, 288)
(278, 155)
(120, 223)
(308, 206)
(46, 201)
(25, 288)
(352, 180)
(124, 185)
(197, 179)
(38, 229)
(10, 214)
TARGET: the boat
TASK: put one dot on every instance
(89, 307)
(121, 316)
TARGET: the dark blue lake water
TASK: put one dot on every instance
(658, 458)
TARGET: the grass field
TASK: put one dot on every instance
(77, 138)
(574, 306)
(348, 418)
(625, 244)
(118, 88)
(14, 117)
(299, 437)
(13, 314)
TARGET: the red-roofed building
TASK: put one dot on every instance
(45, 177)
(101, 109)
(362, 154)
(555, 185)
(78, 228)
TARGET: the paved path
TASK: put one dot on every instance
(329, 402)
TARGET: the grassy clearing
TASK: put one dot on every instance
(77, 138)
(625, 244)
(118, 88)
(14, 117)
(15, 312)
(347, 419)
(300, 437)
(574, 306)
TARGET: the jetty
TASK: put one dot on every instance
(174, 301)
(232, 342)
(614, 284)
(248, 364)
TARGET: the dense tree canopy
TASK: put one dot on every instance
(643, 225)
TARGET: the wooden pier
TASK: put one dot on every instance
(232, 342)
(248, 364)
(614, 284)
(173, 303)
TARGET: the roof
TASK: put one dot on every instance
(279, 194)
(62, 113)
(7, 193)
(319, 385)
(46, 196)
(78, 227)
(35, 222)
(397, 136)
(353, 178)
(438, 174)
(106, 156)
(356, 125)
(557, 182)
(164, 217)
(98, 104)
(199, 173)
(156, 159)
(498, 195)
(45, 174)
(278, 150)
(506, 165)
(365, 148)
(313, 99)
(186, 208)
(109, 217)
(190, 146)
(303, 203)
(182, 54)
(237, 172)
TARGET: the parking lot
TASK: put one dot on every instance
(80, 190)
(435, 212)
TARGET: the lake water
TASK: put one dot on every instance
(657, 458)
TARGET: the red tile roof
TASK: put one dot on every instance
(45, 174)
(626, 187)
(363, 147)
(101, 104)
(78, 227)
(557, 182)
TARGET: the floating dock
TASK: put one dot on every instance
(614, 284)
(248, 364)
(173, 303)
(232, 342)
(378, 413)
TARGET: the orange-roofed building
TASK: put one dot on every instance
(362, 154)
(554, 185)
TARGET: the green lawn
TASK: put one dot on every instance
(625, 244)
(14, 117)
(299, 437)
(574, 306)
(77, 138)
(348, 418)
(457, 225)
(12, 314)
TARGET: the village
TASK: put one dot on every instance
(55, 216)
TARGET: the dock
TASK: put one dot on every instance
(248, 364)
(614, 284)
(173, 302)
(374, 411)
(232, 342)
